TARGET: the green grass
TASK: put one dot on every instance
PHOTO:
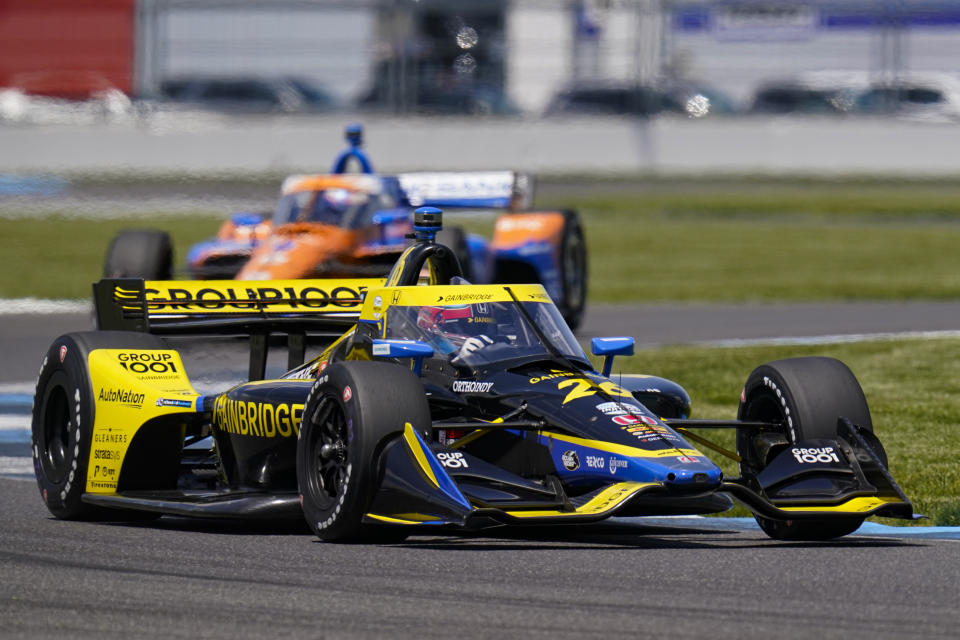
(912, 387)
(708, 239)
(59, 257)
(779, 244)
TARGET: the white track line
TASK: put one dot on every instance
(832, 339)
(18, 387)
(9, 465)
(40, 306)
(10, 422)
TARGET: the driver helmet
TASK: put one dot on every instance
(333, 203)
(457, 323)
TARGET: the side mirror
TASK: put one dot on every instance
(415, 349)
(610, 347)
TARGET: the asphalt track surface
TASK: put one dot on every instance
(25, 337)
(177, 578)
(665, 578)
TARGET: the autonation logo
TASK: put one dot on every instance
(121, 396)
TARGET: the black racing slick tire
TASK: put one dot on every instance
(351, 413)
(573, 269)
(455, 239)
(807, 396)
(139, 253)
(63, 417)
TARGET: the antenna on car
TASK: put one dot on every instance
(425, 251)
(354, 136)
(427, 222)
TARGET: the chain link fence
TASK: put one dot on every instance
(514, 56)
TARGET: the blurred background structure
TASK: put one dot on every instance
(153, 63)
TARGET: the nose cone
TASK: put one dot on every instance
(691, 473)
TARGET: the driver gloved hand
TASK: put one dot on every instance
(474, 344)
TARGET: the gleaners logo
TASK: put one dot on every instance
(174, 299)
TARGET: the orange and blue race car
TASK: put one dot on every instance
(357, 224)
(430, 407)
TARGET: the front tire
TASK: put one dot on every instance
(352, 411)
(807, 396)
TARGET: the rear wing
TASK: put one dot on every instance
(297, 308)
(511, 190)
(451, 189)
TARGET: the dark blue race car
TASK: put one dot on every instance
(433, 404)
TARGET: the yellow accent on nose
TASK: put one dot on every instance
(413, 442)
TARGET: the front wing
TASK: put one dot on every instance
(428, 484)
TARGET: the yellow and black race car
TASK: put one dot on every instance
(432, 403)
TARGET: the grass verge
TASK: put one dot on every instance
(782, 242)
(704, 240)
(60, 257)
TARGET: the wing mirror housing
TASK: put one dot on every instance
(610, 347)
(414, 349)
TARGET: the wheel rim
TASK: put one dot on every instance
(763, 407)
(328, 453)
(573, 260)
(56, 434)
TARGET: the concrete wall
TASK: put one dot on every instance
(214, 144)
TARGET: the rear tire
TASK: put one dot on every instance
(140, 253)
(573, 269)
(352, 411)
(62, 422)
(807, 395)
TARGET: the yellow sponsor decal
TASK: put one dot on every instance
(151, 365)
(130, 387)
(440, 295)
(584, 388)
(607, 500)
(553, 375)
(621, 449)
(177, 297)
(257, 419)
(854, 505)
(580, 386)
